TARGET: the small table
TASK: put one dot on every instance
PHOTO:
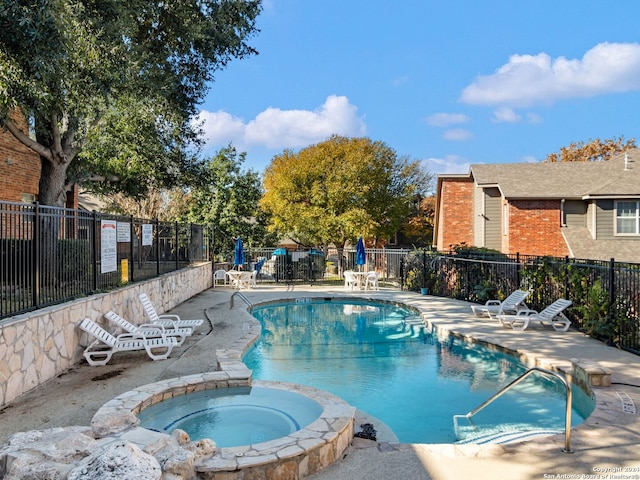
(239, 278)
(361, 278)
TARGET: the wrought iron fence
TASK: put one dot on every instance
(605, 295)
(49, 255)
(308, 266)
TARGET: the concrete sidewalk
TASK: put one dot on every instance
(606, 445)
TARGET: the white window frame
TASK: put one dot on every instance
(615, 219)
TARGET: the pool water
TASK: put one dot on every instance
(233, 416)
(376, 357)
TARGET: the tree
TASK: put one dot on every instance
(419, 227)
(111, 87)
(230, 201)
(595, 150)
(340, 189)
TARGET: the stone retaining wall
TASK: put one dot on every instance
(40, 345)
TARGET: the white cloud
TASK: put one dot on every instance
(446, 119)
(449, 164)
(530, 79)
(505, 115)
(457, 134)
(279, 129)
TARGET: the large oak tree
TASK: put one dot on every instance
(110, 88)
(335, 191)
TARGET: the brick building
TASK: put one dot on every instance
(20, 171)
(579, 209)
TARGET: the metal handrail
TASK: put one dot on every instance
(567, 414)
(242, 296)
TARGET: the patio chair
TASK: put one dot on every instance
(511, 304)
(100, 351)
(350, 280)
(371, 280)
(552, 315)
(219, 275)
(149, 330)
(166, 319)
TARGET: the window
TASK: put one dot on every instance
(627, 218)
(28, 198)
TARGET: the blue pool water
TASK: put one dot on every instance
(377, 359)
(233, 416)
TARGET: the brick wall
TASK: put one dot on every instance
(455, 217)
(534, 228)
(19, 168)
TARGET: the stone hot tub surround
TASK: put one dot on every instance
(299, 454)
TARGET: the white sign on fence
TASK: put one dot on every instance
(109, 246)
(147, 234)
(124, 232)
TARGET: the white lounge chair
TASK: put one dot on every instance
(166, 319)
(100, 351)
(150, 330)
(552, 315)
(511, 304)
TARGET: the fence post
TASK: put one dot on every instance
(157, 240)
(518, 266)
(131, 258)
(612, 295)
(94, 218)
(35, 290)
(424, 268)
(566, 277)
(178, 245)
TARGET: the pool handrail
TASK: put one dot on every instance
(242, 296)
(567, 413)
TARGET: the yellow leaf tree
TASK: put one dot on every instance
(335, 191)
(595, 150)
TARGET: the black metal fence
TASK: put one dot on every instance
(605, 295)
(50, 255)
(308, 266)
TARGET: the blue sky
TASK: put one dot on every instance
(449, 82)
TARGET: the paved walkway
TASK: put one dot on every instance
(606, 446)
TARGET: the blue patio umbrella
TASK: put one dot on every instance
(361, 254)
(238, 254)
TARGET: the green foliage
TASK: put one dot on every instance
(594, 311)
(74, 259)
(228, 199)
(114, 86)
(340, 189)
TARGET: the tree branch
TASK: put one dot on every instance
(28, 141)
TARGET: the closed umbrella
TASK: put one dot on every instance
(361, 254)
(238, 254)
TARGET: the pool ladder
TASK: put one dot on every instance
(242, 296)
(567, 413)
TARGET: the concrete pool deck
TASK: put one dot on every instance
(607, 445)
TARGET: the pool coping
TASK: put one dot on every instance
(280, 458)
(302, 453)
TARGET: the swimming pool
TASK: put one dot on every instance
(376, 358)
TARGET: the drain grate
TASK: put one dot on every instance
(627, 403)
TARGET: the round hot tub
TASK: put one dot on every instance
(233, 416)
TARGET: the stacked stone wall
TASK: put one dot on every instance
(38, 346)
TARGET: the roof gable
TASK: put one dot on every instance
(611, 178)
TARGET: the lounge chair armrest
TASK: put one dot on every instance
(492, 302)
(169, 316)
(131, 336)
(151, 326)
(525, 312)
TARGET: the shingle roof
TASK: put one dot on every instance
(615, 177)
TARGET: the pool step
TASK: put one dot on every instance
(504, 435)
